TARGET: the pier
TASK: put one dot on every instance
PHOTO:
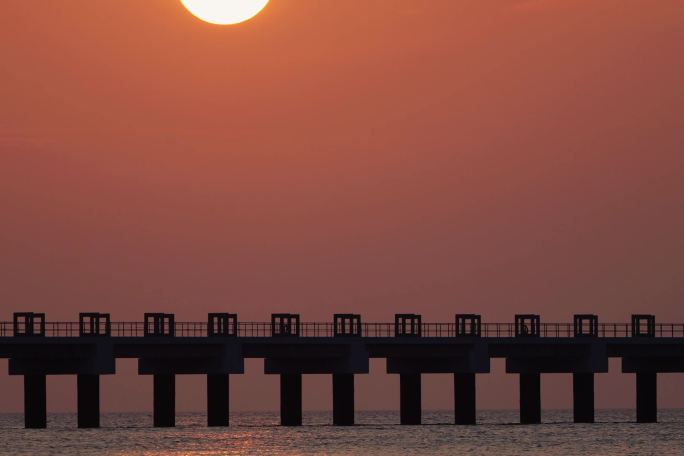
(341, 348)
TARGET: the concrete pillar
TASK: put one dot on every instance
(291, 399)
(343, 399)
(164, 400)
(88, 400)
(409, 401)
(530, 398)
(647, 397)
(218, 400)
(464, 398)
(583, 397)
(35, 409)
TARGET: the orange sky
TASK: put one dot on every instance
(384, 156)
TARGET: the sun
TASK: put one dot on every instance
(224, 12)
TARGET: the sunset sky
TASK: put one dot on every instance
(428, 156)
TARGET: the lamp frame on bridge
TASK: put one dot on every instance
(521, 324)
(468, 325)
(643, 325)
(347, 325)
(159, 324)
(94, 324)
(222, 325)
(28, 324)
(285, 325)
(585, 325)
(407, 325)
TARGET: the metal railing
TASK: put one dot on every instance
(326, 329)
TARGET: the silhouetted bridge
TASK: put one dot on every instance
(290, 348)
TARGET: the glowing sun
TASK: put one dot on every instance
(224, 12)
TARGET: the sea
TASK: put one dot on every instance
(377, 433)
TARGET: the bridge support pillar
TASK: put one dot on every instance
(88, 400)
(218, 400)
(164, 400)
(35, 409)
(343, 399)
(464, 398)
(530, 398)
(409, 400)
(291, 399)
(647, 397)
(583, 397)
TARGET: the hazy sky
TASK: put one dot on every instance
(441, 156)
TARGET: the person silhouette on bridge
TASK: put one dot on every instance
(523, 329)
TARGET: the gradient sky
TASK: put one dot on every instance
(442, 156)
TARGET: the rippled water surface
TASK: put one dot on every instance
(377, 433)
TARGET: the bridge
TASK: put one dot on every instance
(342, 348)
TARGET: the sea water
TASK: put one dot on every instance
(377, 433)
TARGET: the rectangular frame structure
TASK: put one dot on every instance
(28, 324)
(285, 325)
(527, 325)
(159, 325)
(585, 325)
(347, 325)
(643, 325)
(222, 325)
(468, 325)
(407, 325)
(92, 324)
